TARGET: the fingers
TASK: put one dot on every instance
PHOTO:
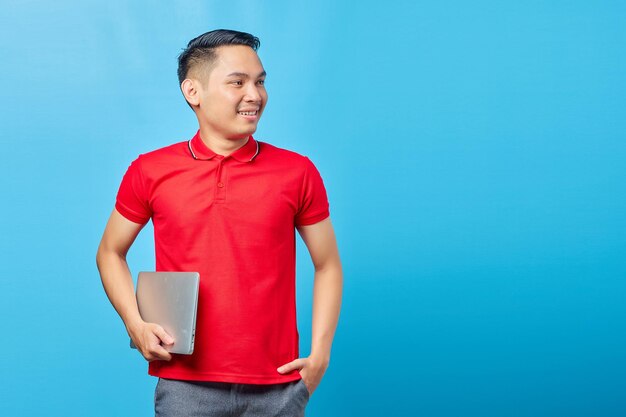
(165, 338)
(152, 341)
(295, 364)
(154, 351)
(156, 342)
(157, 352)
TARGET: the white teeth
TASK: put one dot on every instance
(248, 113)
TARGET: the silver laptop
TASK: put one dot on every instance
(170, 299)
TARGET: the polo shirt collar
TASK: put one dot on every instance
(200, 151)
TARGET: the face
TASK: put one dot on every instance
(231, 99)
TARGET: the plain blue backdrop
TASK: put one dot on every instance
(475, 159)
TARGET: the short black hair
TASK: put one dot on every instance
(202, 48)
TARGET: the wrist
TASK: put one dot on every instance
(320, 351)
(133, 325)
(320, 358)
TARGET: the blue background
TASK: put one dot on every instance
(474, 155)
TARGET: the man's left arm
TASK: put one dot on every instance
(327, 288)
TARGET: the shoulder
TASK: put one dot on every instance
(283, 157)
(170, 155)
(166, 153)
(156, 163)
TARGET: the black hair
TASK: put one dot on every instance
(202, 48)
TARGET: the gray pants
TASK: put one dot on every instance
(174, 398)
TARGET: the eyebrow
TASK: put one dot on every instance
(243, 74)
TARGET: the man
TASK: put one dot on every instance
(227, 206)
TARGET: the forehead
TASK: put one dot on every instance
(237, 58)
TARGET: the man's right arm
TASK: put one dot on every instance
(119, 235)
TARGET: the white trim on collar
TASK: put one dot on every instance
(195, 157)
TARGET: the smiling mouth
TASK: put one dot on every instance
(248, 113)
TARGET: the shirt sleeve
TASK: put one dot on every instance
(132, 199)
(313, 205)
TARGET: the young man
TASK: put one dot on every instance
(227, 206)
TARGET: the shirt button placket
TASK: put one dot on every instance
(220, 189)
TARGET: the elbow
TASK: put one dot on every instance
(99, 257)
(331, 266)
(105, 255)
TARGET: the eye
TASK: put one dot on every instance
(261, 82)
(237, 82)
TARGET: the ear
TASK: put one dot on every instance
(190, 91)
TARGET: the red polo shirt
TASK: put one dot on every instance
(232, 219)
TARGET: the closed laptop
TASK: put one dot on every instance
(170, 299)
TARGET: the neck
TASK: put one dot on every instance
(220, 145)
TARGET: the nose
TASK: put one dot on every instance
(253, 95)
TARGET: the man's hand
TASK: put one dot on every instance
(150, 340)
(311, 370)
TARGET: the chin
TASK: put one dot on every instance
(241, 135)
(248, 132)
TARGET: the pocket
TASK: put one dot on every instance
(304, 388)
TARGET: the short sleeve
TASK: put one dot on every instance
(313, 206)
(132, 199)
